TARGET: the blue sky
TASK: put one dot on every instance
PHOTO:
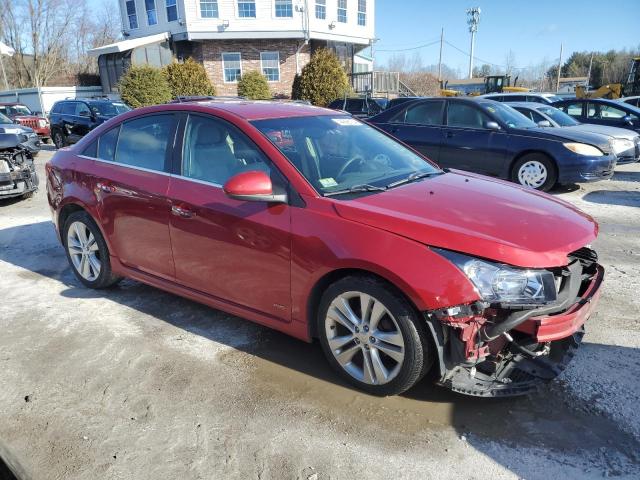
(532, 29)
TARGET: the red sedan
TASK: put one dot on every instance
(339, 233)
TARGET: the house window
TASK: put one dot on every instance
(321, 9)
(247, 8)
(150, 7)
(342, 11)
(232, 67)
(172, 11)
(362, 12)
(270, 65)
(131, 14)
(209, 9)
(284, 8)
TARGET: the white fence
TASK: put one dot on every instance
(42, 99)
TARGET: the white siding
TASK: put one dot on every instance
(265, 21)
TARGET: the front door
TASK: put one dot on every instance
(131, 185)
(468, 144)
(236, 251)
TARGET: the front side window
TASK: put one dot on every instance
(150, 7)
(82, 110)
(511, 117)
(270, 64)
(342, 11)
(106, 109)
(132, 16)
(321, 9)
(465, 116)
(338, 152)
(362, 12)
(231, 67)
(284, 8)
(172, 10)
(143, 142)
(107, 144)
(247, 8)
(605, 112)
(427, 113)
(214, 151)
(209, 8)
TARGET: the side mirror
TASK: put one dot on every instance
(628, 120)
(544, 123)
(493, 126)
(253, 186)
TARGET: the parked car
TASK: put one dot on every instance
(548, 98)
(601, 111)
(28, 138)
(343, 234)
(73, 119)
(21, 114)
(492, 138)
(625, 143)
(18, 176)
(635, 101)
(361, 107)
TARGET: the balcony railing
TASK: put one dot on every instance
(379, 83)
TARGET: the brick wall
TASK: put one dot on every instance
(209, 52)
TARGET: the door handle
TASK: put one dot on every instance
(181, 211)
(105, 187)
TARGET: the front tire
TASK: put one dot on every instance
(87, 251)
(535, 170)
(58, 139)
(372, 336)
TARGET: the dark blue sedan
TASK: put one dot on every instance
(491, 138)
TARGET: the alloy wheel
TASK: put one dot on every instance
(532, 174)
(364, 338)
(83, 251)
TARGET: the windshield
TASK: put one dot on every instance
(511, 117)
(5, 119)
(336, 153)
(13, 110)
(559, 116)
(106, 109)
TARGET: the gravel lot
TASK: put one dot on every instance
(135, 383)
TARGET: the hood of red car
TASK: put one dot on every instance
(479, 216)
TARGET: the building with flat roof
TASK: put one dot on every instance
(229, 37)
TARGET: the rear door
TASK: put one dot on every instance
(468, 144)
(234, 250)
(82, 121)
(132, 180)
(420, 125)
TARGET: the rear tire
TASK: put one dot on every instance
(383, 351)
(535, 170)
(58, 139)
(87, 251)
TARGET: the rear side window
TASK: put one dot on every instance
(517, 98)
(573, 109)
(57, 108)
(107, 144)
(91, 150)
(69, 108)
(428, 113)
(143, 142)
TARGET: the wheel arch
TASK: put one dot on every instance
(73, 206)
(321, 285)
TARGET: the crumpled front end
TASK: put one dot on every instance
(18, 175)
(493, 350)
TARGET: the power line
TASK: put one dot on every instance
(410, 48)
(486, 61)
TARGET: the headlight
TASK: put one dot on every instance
(11, 130)
(4, 167)
(499, 283)
(584, 149)
(42, 123)
(621, 145)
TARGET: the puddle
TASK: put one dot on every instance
(288, 371)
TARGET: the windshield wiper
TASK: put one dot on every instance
(413, 177)
(355, 189)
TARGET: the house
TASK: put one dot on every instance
(569, 84)
(230, 37)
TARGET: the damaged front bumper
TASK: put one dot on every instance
(18, 175)
(493, 350)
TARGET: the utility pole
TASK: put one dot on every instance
(589, 72)
(440, 59)
(473, 20)
(559, 68)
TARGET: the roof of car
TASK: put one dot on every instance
(260, 109)
(531, 105)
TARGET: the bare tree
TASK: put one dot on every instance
(509, 62)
